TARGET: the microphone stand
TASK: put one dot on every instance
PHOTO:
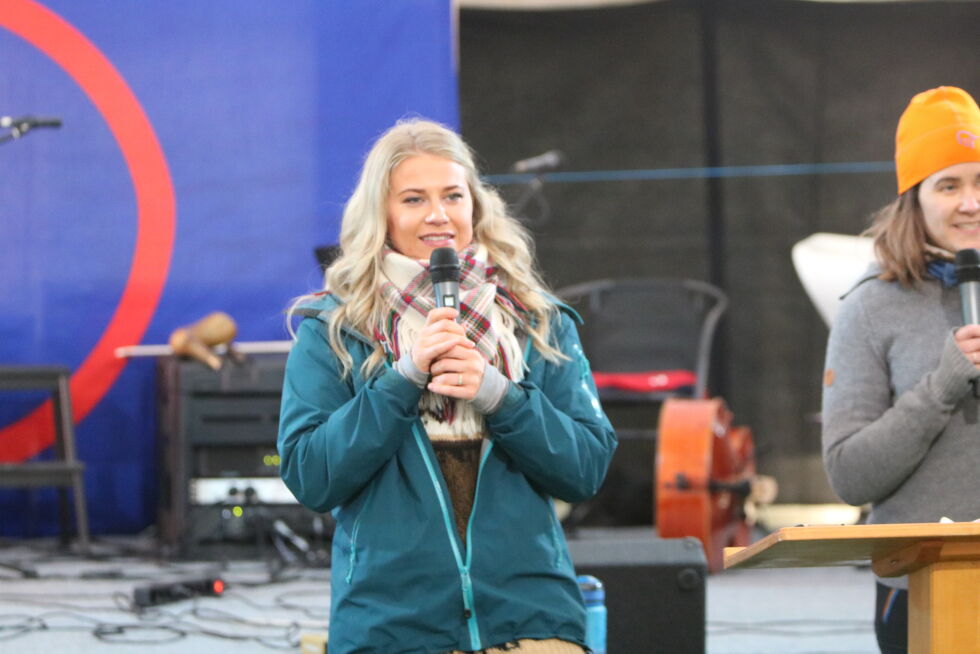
(536, 166)
(20, 126)
(533, 192)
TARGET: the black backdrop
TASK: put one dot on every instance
(691, 84)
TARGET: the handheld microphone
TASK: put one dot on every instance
(543, 162)
(444, 272)
(967, 264)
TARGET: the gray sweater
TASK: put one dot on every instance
(900, 423)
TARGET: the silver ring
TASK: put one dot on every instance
(459, 379)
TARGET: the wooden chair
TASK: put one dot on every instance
(66, 470)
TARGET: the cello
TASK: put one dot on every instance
(705, 478)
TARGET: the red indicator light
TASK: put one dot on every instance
(218, 586)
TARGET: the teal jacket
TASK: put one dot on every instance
(401, 579)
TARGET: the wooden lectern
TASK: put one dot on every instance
(942, 561)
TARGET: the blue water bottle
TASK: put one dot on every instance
(595, 613)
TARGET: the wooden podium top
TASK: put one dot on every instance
(830, 545)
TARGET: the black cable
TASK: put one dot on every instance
(154, 625)
(321, 594)
(174, 629)
(23, 598)
(112, 633)
(290, 631)
(21, 629)
(27, 573)
(28, 567)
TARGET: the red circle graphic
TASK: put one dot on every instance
(155, 208)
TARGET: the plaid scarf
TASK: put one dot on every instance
(489, 314)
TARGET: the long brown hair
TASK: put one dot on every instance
(900, 239)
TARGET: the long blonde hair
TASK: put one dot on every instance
(901, 239)
(355, 275)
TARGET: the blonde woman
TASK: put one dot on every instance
(439, 437)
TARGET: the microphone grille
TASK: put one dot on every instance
(444, 265)
(967, 264)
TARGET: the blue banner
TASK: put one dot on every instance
(206, 148)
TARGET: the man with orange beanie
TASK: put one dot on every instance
(900, 421)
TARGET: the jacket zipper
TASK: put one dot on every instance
(466, 583)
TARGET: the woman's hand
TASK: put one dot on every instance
(458, 373)
(440, 334)
(968, 340)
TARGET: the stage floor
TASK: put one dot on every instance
(84, 605)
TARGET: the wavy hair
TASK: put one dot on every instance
(900, 239)
(354, 276)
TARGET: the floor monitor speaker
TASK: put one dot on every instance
(655, 590)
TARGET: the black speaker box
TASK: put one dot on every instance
(655, 590)
(222, 425)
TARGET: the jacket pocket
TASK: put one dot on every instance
(358, 516)
(352, 557)
(556, 538)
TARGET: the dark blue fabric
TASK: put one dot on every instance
(944, 271)
(891, 619)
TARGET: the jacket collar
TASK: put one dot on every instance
(320, 305)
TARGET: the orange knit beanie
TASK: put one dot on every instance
(939, 128)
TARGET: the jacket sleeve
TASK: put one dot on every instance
(332, 440)
(557, 433)
(873, 441)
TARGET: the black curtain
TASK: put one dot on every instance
(666, 85)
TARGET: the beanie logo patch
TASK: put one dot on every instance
(967, 139)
